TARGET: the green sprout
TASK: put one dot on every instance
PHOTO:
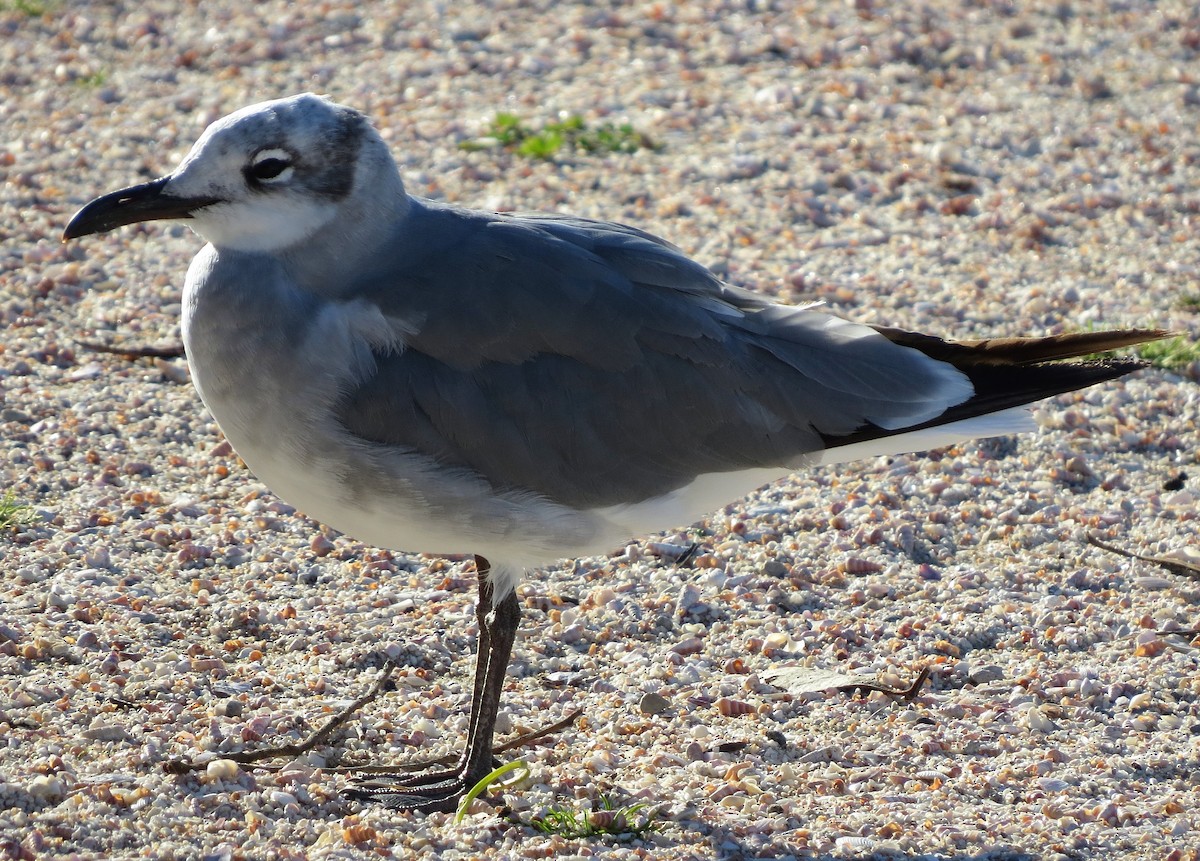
(92, 81)
(1169, 354)
(607, 821)
(14, 513)
(508, 132)
(493, 777)
(32, 8)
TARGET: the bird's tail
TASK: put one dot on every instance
(1008, 374)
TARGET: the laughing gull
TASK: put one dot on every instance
(522, 387)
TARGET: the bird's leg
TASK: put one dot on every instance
(432, 776)
(482, 607)
(498, 627)
(442, 790)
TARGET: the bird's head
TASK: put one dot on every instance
(262, 179)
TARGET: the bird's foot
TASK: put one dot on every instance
(428, 791)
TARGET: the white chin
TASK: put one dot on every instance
(245, 227)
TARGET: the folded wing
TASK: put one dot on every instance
(594, 365)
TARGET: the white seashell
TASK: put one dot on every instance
(1140, 701)
(689, 596)
(47, 788)
(221, 769)
(667, 550)
(854, 844)
(1153, 583)
(106, 733)
(821, 754)
(1180, 499)
(602, 762)
(1187, 555)
(601, 597)
(1052, 784)
(777, 640)
(1038, 722)
(1144, 722)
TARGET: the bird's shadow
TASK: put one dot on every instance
(727, 846)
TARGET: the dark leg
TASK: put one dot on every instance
(431, 776)
(498, 628)
(483, 606)
(442, 790)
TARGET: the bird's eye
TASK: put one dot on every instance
(270, 165)
(269, 168)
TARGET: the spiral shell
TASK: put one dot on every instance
(607, 820)
(733, 708)
(357, 833)
(858, 566)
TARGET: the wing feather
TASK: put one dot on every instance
(596, 365)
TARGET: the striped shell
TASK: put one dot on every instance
(357, 833)
(857, 565)
(733, 708)
(608, 820)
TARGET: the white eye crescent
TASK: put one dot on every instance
(270, 166)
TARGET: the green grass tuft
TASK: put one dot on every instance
(572, 133)
(608, 821)
(1188, 302)
(32, 8)
(1169, 354)
(92, 81)
(14, 513)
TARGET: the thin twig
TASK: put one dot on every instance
(1183, 569)
(293, 749)
(319, 736)
(172, 352)
(907, 694)
(422, 764)
(685, 560)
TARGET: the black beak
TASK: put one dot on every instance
(145, 202)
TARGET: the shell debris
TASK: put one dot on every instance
(1018, 168)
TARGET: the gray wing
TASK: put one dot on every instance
(594, 364)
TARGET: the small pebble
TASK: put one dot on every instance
(230, 708)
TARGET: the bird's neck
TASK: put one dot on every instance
(331, 258)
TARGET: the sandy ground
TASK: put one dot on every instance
(970, 169)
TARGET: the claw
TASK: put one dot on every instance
(436, 792)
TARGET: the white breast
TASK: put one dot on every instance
(271, 368)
